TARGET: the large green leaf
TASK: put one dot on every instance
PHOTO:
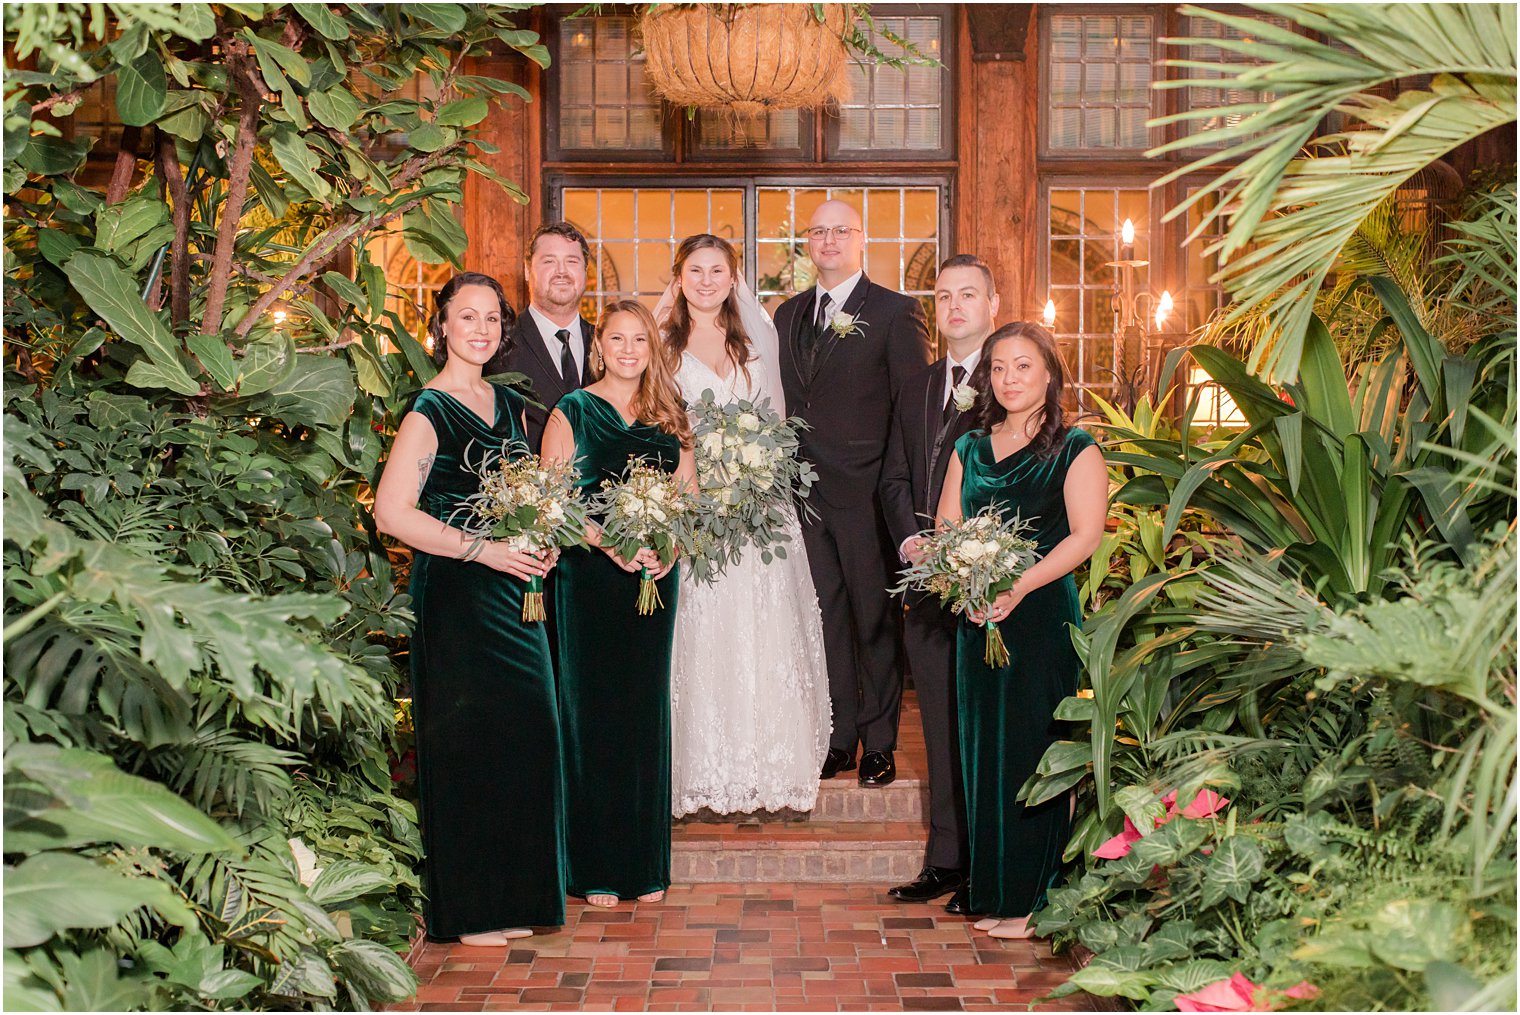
(267, 361)
(375, 969)
(53, 892)
(336, 108)
(298, 160)
(119, 225)
(323, 19)
(112, 294)
(1412, 933)
(463, 112)
(214, 355)
(101, 803)
(140, 90)
(319, 391)
(343, 880)
(1233, 870)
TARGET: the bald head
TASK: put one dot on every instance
(836, 242)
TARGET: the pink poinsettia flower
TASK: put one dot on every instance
(1120, 844)
(1206, 804)
(1240, 994)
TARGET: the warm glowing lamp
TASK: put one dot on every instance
(1163, 308)
(1050, 313)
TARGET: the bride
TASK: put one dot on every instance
(750, 717)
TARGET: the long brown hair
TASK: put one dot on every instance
(678, 325)
(989, 412)
(657, 401)
(498, 361)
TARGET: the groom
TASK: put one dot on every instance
(930, 416)
(552, 341)
(847, 345)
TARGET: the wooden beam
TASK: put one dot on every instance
(998, 31)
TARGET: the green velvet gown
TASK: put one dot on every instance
(484, 707)
(1006, 713)
(614, 681)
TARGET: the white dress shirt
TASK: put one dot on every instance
(836, 295)
(969, 363)
(547, 329)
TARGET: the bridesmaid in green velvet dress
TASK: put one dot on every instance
(614, 665)
(483, 699)
(1026, 460)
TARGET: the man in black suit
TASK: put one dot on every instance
(847, 345)
(929, 417)
(551, 342)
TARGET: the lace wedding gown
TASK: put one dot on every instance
(749, 694)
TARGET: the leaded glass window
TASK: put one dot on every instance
(896, 109)
(604, 100)
(902, 238)
(1098, 95)
(633, 234)
(1218, 98)
(1083, 235)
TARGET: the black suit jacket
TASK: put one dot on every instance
(918, 453)
(847, 397)
(527, 355)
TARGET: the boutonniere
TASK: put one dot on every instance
(964, 396)
(844, 325)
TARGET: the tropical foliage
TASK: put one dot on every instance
(1285, 219)
(1296, 757)
(201, 359)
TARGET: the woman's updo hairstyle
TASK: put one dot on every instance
(498, 362)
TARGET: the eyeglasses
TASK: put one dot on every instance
(836, 232)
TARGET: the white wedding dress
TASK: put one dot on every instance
(749, 694)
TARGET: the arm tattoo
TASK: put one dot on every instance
(424, 469)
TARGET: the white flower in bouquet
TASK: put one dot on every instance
(647, 508)
(751, 475)
(968, 564)
(529, 505)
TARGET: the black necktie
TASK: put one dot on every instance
(811, 337)
(957, 375)
(567, 369)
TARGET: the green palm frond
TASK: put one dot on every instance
(1287, 217)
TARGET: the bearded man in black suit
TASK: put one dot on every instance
(847, 346)
(551, 342)
(932, 412)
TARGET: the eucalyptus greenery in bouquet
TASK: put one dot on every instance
(531, 505)
(969, 563)
(647, 507)
(749, 469)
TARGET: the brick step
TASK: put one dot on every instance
(844, 799)
(880, 852)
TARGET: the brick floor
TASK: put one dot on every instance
(749, 947)
(784, 912)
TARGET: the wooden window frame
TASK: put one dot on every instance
(831, 122)
(556, 181)
(818, 131)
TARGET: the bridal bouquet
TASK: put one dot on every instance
(749, 469)
(531, 506)
(968, 563)
(647, 507)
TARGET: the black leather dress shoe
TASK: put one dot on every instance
(877, 768)
(931, 883)
(960, 902)
(837, 761)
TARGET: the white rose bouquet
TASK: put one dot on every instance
(750, 475)
(647, 507)
(969, 563)
(531, 505)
